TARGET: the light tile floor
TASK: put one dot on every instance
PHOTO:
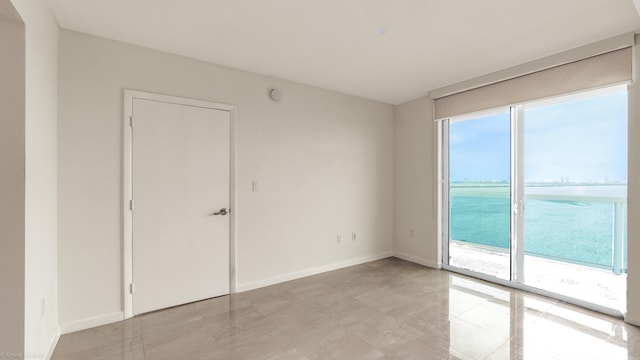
(387, 309)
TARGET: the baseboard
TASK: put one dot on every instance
(417, 260)
(90, 322)
(308, 272)
(52, 344)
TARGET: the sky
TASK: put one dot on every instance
(576, 140)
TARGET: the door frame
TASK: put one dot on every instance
(127, 214)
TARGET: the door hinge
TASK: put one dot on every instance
(131, 205)
(131, 120)
(131, 288)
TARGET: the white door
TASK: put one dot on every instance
(180, 178)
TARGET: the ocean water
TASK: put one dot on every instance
(565, 227)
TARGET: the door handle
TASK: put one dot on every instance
(518, 208)
(222, 212)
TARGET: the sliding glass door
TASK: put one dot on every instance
(480, 193)
(535, 195)
(575, 162)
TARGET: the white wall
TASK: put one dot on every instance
(323, 161)
(415, 174)
(633, 195)
(41, 207)
(12, 217)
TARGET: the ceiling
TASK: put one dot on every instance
(386, 50)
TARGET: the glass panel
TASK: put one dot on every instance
(575, 196)
(479, 194)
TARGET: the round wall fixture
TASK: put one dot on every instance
(275, 94)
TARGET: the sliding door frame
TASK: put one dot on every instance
(444, 176)
(517, 193)
(445, 209)
(516, 210)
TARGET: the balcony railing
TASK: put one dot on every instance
(613, 194)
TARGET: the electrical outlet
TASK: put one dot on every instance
(353, 236)
(42, 307)
(338, 239)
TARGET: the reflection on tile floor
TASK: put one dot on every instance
(387, 309)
